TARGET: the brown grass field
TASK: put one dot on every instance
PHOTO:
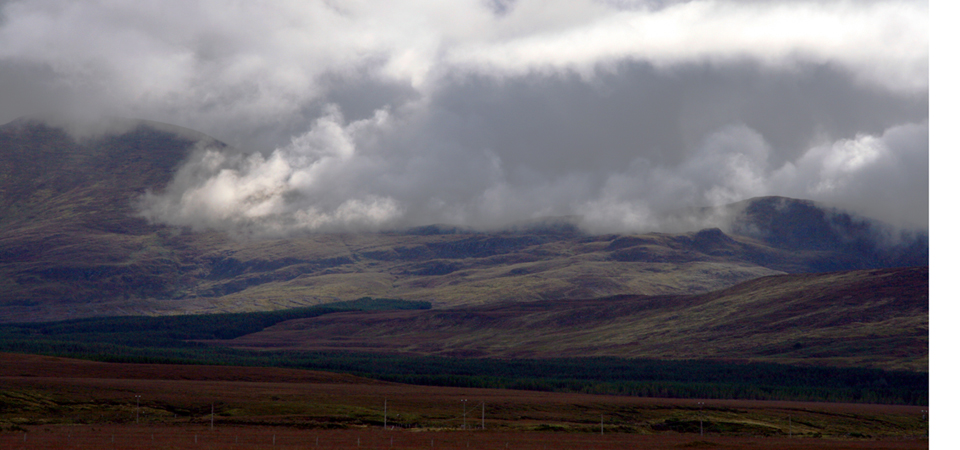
(54, 403)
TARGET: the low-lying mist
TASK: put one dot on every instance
(379, 173)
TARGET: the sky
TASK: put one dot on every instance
(371, 115)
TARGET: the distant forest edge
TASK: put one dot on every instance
(172, 331)
(171, 339)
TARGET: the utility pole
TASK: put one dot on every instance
(701, 418)
(384, 414)
(138, 409)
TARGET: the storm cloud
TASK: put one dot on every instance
(365, 115)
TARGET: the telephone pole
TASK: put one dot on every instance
(701, 418)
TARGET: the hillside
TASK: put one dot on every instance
(872, 318)
(72, 245)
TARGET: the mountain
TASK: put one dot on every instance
(72, 244)
(801, 225)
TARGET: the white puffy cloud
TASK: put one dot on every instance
(314, 183)
(324, 181)
(883, 176)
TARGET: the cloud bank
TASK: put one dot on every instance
(381, 114)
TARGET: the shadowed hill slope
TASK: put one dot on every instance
(802, 225)
(68, 230)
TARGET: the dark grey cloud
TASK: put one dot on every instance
(637, 110)
(27, 89)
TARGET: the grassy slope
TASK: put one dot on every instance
(546, 268)
(876, 318)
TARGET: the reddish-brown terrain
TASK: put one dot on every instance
(48, 403)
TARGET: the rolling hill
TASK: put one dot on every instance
(866, 318)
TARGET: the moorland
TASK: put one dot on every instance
(62, 403)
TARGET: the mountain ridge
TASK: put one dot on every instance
(72, 245)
